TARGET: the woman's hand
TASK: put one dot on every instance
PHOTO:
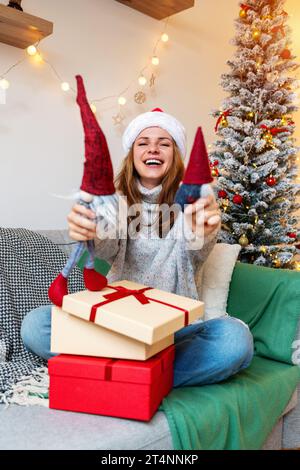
(204, 211)
(81, 225)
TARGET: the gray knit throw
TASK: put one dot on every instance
(28, 264)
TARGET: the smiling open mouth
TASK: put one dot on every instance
(153, 161)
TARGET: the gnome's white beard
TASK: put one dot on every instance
(106, 208)
(107, 213)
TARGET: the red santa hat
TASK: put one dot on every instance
(155, 118)
(98, 174)
(198, 169)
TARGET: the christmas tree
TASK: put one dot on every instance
(255, 158)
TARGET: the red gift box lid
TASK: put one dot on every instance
(118, 370)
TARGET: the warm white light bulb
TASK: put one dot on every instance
(31, 50)
(155, 60)
(164, 37)
(65, 86)
(38, 58)
(4, 84)
(121, 100)
(142, 80)
(93, 108)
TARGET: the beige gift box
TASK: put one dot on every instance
(143, 317)
(72, 335)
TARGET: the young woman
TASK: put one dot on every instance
(206, 351)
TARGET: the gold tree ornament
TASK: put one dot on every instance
(269, 139)
(224, 122)
(250, 115)
(256, 34)
(285, 120)
(259, 63)
(296, 265)
(263, 249)
(225, 204)
(140, 97)
(276, 263)
(243, 240)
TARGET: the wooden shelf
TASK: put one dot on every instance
(20, 29)
(159, 9)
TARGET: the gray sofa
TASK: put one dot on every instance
(38, 427)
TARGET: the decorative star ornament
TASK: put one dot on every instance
(118, 119)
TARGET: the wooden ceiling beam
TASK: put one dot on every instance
(159, 9)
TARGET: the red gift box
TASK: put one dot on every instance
(111, 387)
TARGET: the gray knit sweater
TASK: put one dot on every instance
(163, 263)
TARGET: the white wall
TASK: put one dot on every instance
(41, 137)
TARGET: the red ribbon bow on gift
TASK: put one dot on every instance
(122, 292)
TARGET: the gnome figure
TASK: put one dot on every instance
(197, 176)
(97, 191)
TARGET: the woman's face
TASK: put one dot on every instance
(151, 144)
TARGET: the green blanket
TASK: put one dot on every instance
(238, 413)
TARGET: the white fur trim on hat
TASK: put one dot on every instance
(155, 118)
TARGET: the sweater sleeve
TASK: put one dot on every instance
(196, 247)
(199, 255)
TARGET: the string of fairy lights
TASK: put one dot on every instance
(147, 75)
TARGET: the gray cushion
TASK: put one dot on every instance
(38, 428)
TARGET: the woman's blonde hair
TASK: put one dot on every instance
(126, 182)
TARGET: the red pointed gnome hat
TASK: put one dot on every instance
(98, 173)
(198, 169)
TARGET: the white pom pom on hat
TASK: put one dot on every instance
(155, 118)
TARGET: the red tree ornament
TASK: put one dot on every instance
(276, 29)
(292, 234)
(271, 181)
(237, 199)
(285, 54)
(222, 194)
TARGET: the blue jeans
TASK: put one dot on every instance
(205, 352)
